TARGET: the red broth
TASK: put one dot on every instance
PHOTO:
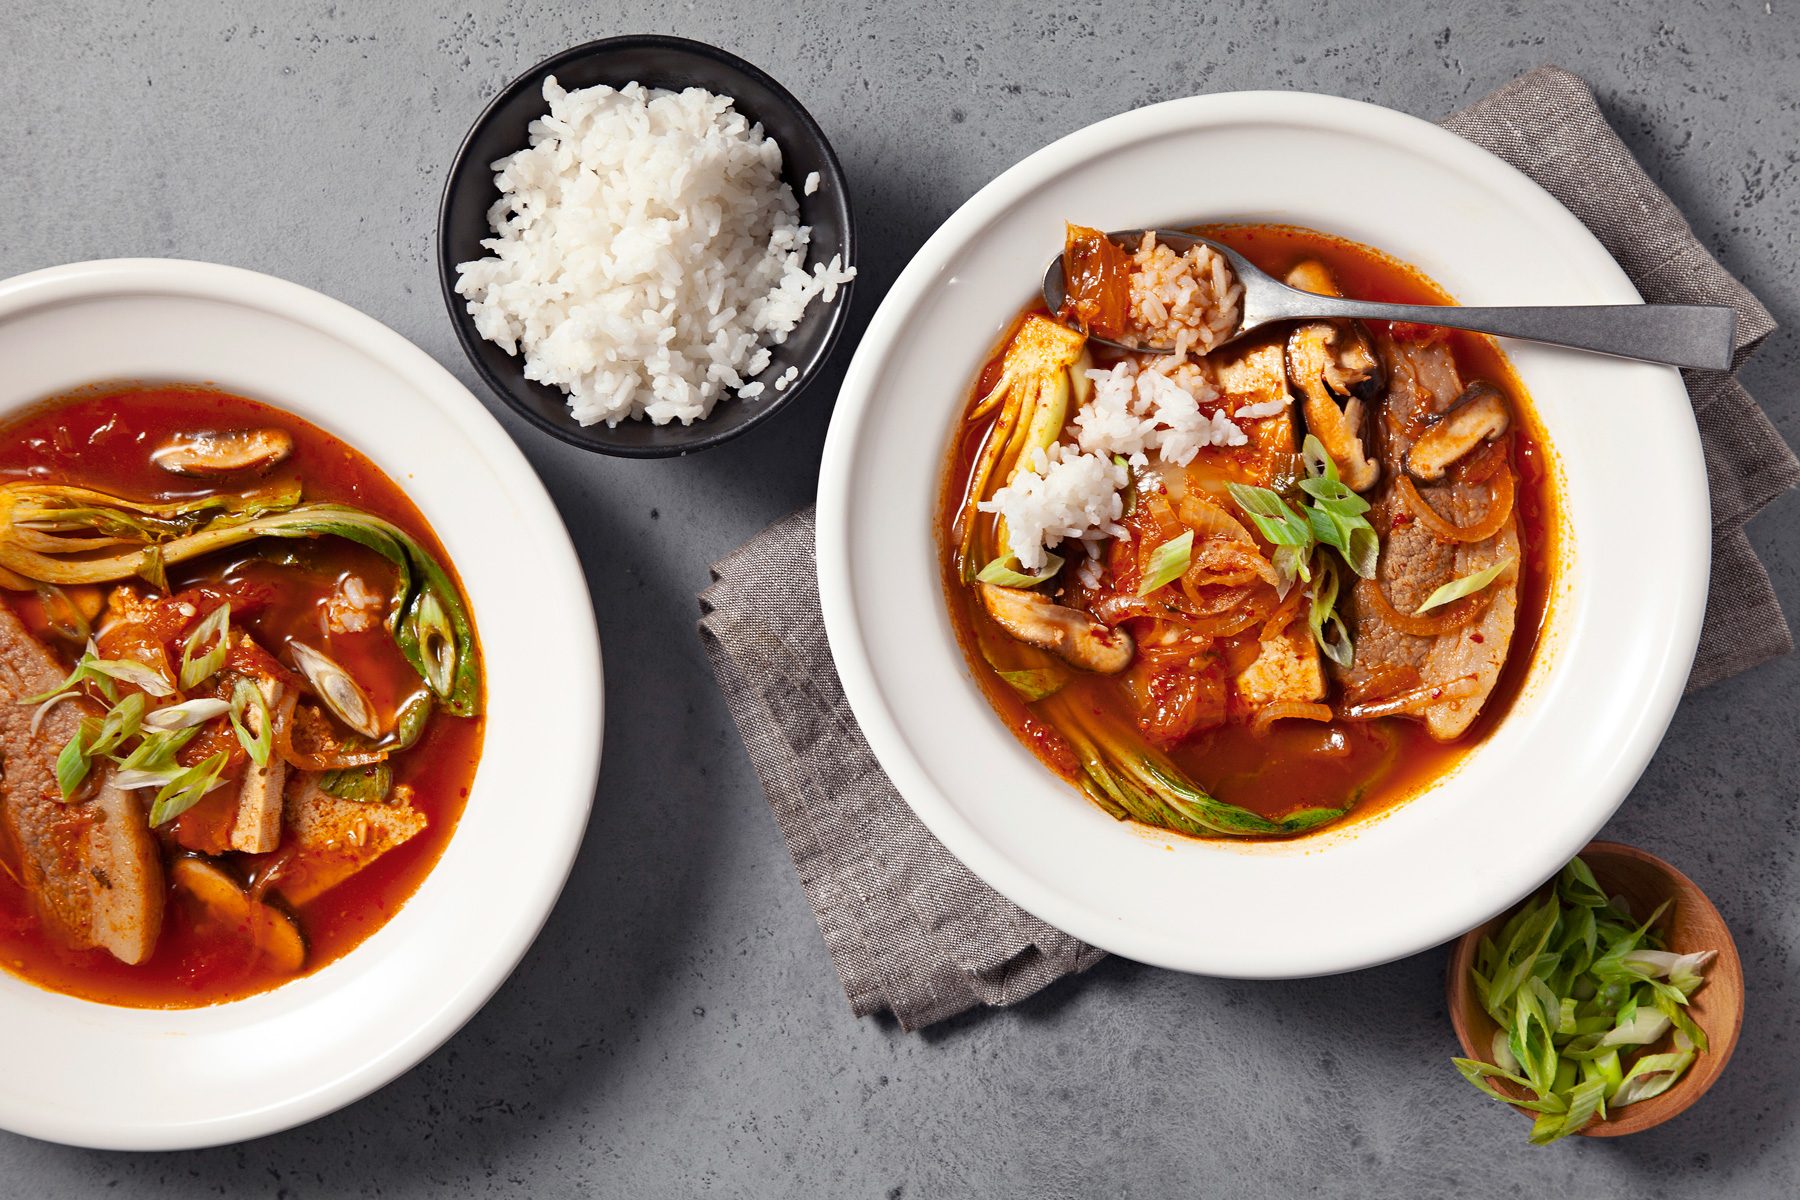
(103, 439)
(1389, 760)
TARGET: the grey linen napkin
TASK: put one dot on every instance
(910, 930)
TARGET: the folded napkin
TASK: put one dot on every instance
(910, 930)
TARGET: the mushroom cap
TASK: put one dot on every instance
(1074, 636)
(1480, 414)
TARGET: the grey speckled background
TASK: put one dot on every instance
(677, 1029)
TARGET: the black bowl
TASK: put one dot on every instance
(655, 62)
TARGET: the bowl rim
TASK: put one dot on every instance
(592, 437)
(443, 1010)
(869, 699)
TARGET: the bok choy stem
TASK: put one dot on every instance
(426, 616)
(1131, 780)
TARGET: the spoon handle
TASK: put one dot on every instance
(1679, 335)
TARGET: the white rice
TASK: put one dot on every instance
(646, 254)
(1138, 409)
(1188, 301)
(1065, 494)
(812, 183)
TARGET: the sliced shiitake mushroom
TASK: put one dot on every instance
(212, 453)
(1333, 369)
(272, 931)
(1075, 637)
(1480, 414)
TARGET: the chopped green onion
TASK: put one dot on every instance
(1322, 616)
(1575, 985)
(1468, 585)
(1130, 494)
(186, 789)
(1279, 524)
(72, 765)
(337, 688)
(156, 750)
(410, 722)
(137, 674)
(1168, 562)
(247, 698)
(1006, 572)
(121, 723)
(204, 651)
(187, 713)
(1336, 512)
(101, 672)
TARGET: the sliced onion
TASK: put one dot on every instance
(1208, 520)
(1387, 681)
(1500, 506)
(1418, 699)
(1298, 710)
(43, 710)
(335, 759)
(1448, 619)
(1227, 563)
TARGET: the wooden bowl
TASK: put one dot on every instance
(1692, 924)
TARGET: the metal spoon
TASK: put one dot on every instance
(1679, 335)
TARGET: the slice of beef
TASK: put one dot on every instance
(1424, 381)
(93, 868)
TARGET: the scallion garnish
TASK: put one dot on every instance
(203, 653)
(1468, 585)
(1005, 571)
(1573, 983)
(187, 713)
(1168, 562)
(247, 698)
(186, 789)
(1322, 618)
(1336, 512)
(340, 692)
(101, 672)
(120, 724)
(72, 765)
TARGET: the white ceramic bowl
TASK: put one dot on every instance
(1621, 632)
(94, 1075)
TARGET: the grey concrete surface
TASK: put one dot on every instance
(677, 1029)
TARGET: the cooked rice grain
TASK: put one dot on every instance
(1187, 301)
(646, 254)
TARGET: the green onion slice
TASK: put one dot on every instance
(186, 789)
(186, 714)
(1583, 996)
(247, 698)
(1168, 562)
(72, 765)
(203, 653)
(1006, 572)
(1281, 525)
(1468, 585)
(1322, 618)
